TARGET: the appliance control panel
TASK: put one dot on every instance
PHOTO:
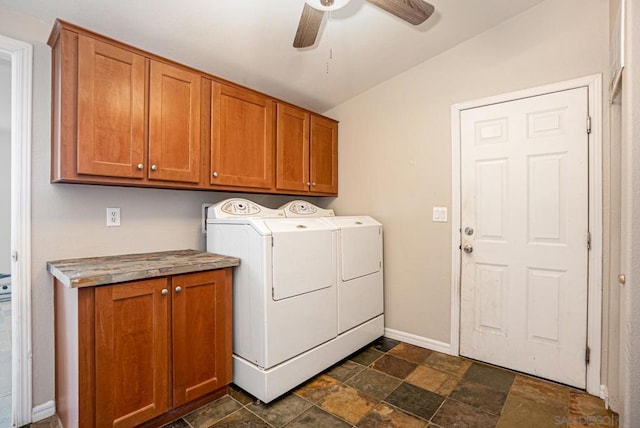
(305, 209)
(238, 207)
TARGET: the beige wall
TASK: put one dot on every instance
(395, 155)
(69, 220)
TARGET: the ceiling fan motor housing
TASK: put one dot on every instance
(327, 4)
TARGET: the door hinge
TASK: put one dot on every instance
(272, 241)
(587, 355)
(588, 124)
(588, 241)
(14, 256)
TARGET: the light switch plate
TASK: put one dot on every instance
(440, 214)
(113, 217)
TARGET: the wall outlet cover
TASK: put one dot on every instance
(113, 217)
(440, 214)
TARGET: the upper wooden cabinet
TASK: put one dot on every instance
(109, 129)
(111, 99)
(307, 152)
(242, 138)
(174, 123)
(122, 116)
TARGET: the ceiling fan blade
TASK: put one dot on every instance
(413, 11)
(308, 27)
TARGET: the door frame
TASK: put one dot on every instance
(594, 305)
(21, 56)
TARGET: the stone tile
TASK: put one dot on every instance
(455, 366)
(540, 391)
(384, 344)
(415, 400)
(318, 388)
(242, 418)
(241, 395)
(347, 403)
(180, 423)
(587, 410)
(394, 366)
(366, 357)
(316, 417)
(520, 411)
(345, 370)
(374, 384)
(432, 380)
(493, 377)
(209, 414)
(459, 415)
(411, 353)
(384, 415)
(50, 422)
(281, 411)
(480, 396)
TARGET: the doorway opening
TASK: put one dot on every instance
(19, 55)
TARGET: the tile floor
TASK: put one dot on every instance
(394, 384)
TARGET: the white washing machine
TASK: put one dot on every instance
(285, 312)
(359, 263)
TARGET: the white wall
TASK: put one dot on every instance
(395, 142)
(68, 221)
(5, 166)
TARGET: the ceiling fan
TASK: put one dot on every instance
(413, 11)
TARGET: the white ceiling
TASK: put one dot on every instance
(250, 41)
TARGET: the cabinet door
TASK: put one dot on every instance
(131, 337)
(324, 155)
(111, 96)
(201, 333)
(242, 136)
(292, 148)
(174, 124)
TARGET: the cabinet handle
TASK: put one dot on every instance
(140, 167)
(215, 174)
(164, 292)
(178, 289)
(308, 183)
(313, 184)
(154, 168)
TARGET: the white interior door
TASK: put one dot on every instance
(524, 182)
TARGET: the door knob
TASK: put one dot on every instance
(154, 167)
(140, 166)
(164, 292)
(215, 174)
(178, 289)
(468, 248)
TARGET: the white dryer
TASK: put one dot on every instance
(359, 263)
(285, 316)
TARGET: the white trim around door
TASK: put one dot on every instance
(20, 54)
(594, 310)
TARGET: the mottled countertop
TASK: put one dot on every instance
(89, 272)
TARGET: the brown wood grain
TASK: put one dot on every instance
(174, 123)
(131, 328)
(413, 11)
(243, 138)
(292, 148)
(308, 27)
(324, 155)
(111, 97)
(199, 336)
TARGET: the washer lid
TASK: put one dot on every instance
(300, 208)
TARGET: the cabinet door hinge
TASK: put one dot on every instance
(587, 355)
(588, 124)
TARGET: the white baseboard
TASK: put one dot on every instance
(423, 342)
(43, 411)
(604, 395)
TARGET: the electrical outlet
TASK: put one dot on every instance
(113, 217)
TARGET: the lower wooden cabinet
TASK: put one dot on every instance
(129, 353)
